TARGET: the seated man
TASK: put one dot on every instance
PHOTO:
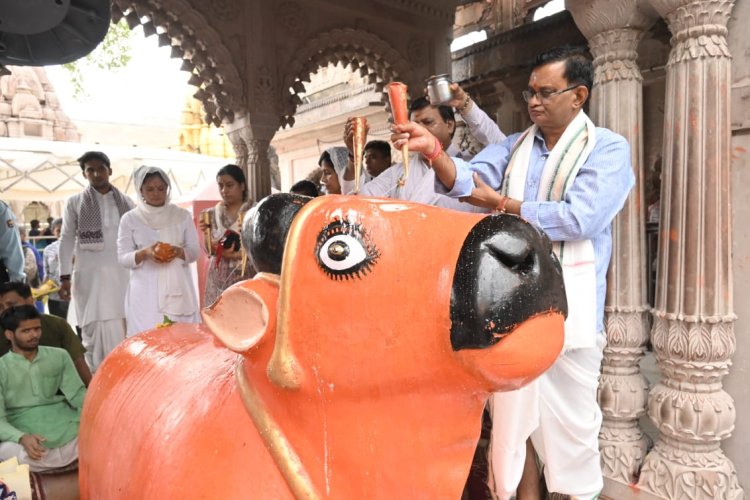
(56, 332)
(41, 396)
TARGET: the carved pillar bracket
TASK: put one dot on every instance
(613, 31)
(250, 138)
(693, 332)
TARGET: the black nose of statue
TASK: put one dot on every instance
(506, 273)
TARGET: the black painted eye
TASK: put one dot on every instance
(343, 250)
(338, 250)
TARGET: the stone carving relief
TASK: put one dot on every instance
(226, 10)
(425, 8)
(699, 28)
(240, 149)
(615, 55)
(417, 51)
(675, 475)
(291, 18)
(264, 86)
(694, 344)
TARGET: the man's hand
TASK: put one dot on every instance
(32, 443)
(419, 139)
(458, 98)
(349, 133)
(65, 290)
(483, 195)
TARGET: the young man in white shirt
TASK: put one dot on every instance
(89, 233)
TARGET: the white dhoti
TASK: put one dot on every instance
(100, 338)
(515, 415)
(54, 458)
(559, 411)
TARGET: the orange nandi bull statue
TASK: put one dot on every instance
(357, 367)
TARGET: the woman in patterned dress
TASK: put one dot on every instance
(226, 264)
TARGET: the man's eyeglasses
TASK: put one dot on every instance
(545, 95)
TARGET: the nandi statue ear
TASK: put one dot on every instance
(239, 318)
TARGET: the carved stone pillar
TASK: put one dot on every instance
(616, 103)
(250, 140)
(693, 333)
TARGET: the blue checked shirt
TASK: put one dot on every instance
(591, 203)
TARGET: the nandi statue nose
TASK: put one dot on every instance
(506, 273)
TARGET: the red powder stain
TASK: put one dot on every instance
(673, 235)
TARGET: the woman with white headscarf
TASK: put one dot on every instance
(333, 162)
(157, 241)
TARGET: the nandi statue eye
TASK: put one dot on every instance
(344, 250)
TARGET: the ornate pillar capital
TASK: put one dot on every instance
(250, 137)
(597, 16)
(699, 27)
(685, 14)
(613, 30)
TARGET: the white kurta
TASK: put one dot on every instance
(99, 281)
(419, 187)
(142, 297)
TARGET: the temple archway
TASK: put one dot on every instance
(361, 50)
(178, 24)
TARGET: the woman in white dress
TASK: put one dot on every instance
(157, 241)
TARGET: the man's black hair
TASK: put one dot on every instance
(446, 112)
(21, 288)
(305, 188)
(93, 155)
(381, 146)
(579, 69)
(13, 316)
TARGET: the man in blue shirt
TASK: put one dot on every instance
(570, 179)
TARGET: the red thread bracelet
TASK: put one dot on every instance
(435, 153)
(501, 206)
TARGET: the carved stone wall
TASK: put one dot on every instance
(693, 332)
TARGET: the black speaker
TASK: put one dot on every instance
(42, 32)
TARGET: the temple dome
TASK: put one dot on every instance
(29, 107)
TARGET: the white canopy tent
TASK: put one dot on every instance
(47, 171)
